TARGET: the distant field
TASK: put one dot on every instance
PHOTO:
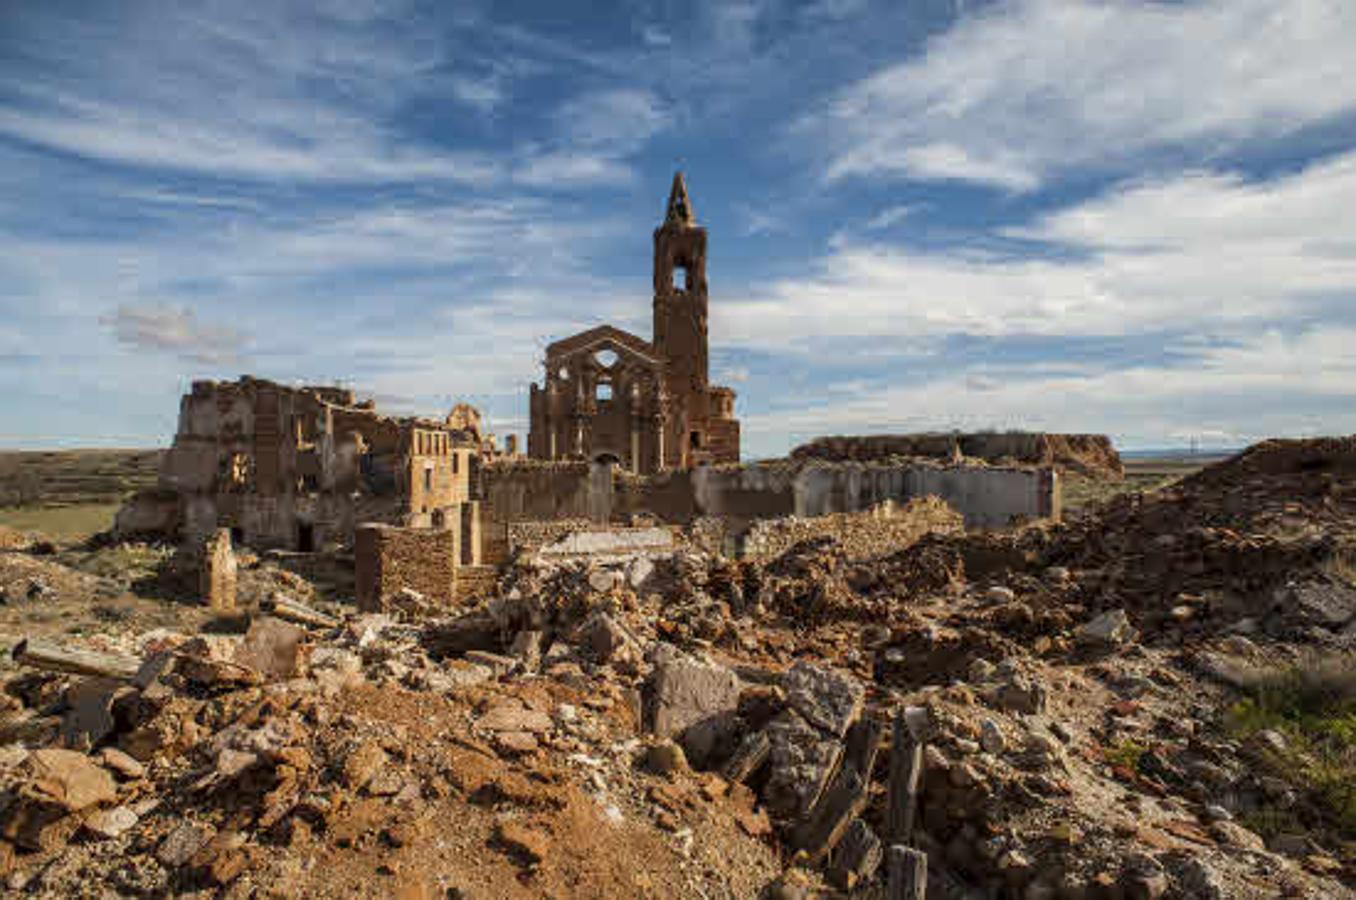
(61, 522)
(70, 493)
(71, 477)
(1146, 473)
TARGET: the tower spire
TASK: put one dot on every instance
(680, 207)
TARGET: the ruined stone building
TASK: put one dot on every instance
(295, 468)
(648, 405)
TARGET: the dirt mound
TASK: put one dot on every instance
(1090, 455)
(1263, 540)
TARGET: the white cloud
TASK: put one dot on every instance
(484, 94)
(176, 330)
(617, 120)
(1272, 384)
(1201, 251)
(1020, 90)
(891, 215)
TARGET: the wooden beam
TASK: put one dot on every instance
(40, 654)
(906, 772)
(292, 611)
(906, 873)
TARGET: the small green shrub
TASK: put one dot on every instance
(1127, 753)
(1314, 706)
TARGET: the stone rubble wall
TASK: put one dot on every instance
(875, 532)
(388, 559)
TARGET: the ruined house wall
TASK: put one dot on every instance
(296, 468)
(388, 558)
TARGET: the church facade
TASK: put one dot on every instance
(609, 395)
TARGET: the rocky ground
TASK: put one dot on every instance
(1157, 699)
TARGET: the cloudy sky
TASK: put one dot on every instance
(1137, 218)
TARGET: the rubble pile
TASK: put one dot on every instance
(1037, 714)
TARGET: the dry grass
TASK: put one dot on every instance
(62, 523)
(1141, 476)
(1314, 706)
(74, 477)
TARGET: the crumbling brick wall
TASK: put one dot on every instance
(388, 558)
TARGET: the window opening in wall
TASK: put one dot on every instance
(606, 358)
(305, 537)
(604, 391)
(694, 440)
(237, 535)
(680, 278)
(563, 373)
(456, 460)
(428, 479)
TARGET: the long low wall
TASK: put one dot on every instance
(986, 497)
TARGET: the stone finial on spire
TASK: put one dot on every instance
(680, 207)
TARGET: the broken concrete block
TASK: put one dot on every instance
(121, 763)
(181, 844)
(604, 580)
(825, 698)
(1110, 629)
(70, 779)
(515, 718)
(362, 763)
(801, 760)
(210, 660)
(526, 648)
(608, 640)
(684, 690)
(497, 663)
(89, 718)
(273, 647)
(665, 757)
(857, 857)
(461, 673)
(639, 572)
(111, 823)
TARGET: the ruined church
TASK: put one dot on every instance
(609, 395)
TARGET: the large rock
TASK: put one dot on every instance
(273, 647)
(800, 761)
(70, 779)
(692, 700)
(1110, 629)
(828, 699)
(608, 640)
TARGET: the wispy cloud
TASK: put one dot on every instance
(1018, 91)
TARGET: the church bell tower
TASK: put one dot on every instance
(680, 304)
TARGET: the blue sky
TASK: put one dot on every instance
(1124, 217)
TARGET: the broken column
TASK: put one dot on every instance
(217, 571)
